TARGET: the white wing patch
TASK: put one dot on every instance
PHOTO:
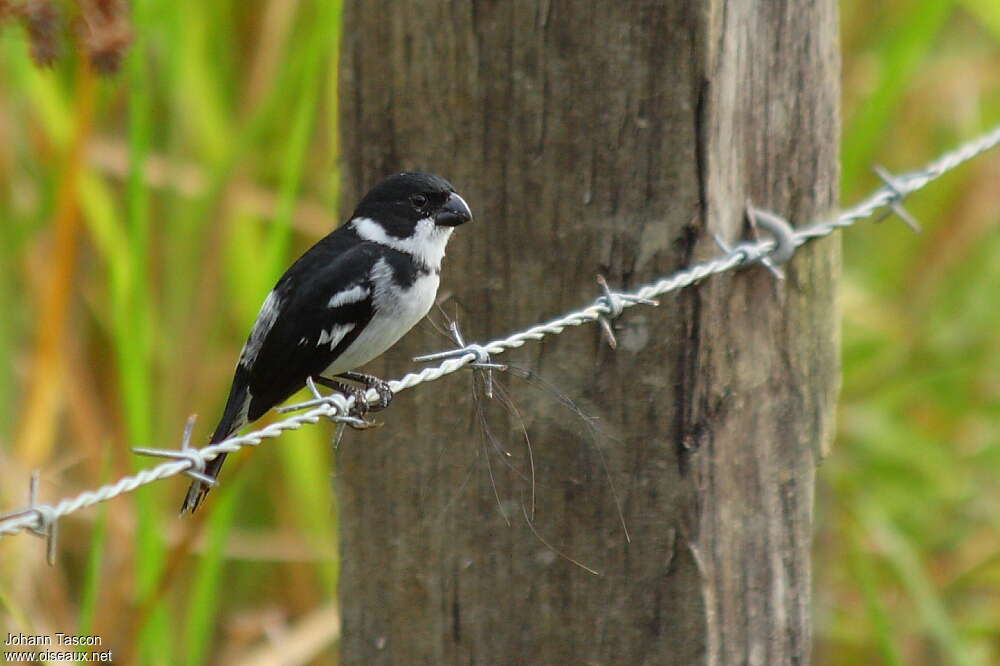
(334, 335)
(242, 415)
(265, 320)
(353, 295)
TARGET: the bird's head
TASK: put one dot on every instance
(404, 202)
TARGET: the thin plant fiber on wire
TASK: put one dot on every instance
(41, 518)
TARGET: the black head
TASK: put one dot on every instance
(402, 200)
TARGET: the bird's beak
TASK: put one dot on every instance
(454, 212)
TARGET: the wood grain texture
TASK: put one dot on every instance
(592, 138)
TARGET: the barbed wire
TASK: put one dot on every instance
(42, 518)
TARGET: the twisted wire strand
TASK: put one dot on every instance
(41, 518)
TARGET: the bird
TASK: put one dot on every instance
(344, 302)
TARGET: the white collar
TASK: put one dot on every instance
(426, 245)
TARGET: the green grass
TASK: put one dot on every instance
(167, 282)
(223, 119)
(907, 564)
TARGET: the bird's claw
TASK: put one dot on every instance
(355, 417)
(370, 382)
(360, 423)
(360, 408)
(385, 394)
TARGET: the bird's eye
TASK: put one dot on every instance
(419, 201)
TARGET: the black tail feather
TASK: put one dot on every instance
(197, 490)
(233, 418)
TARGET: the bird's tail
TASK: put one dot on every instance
(233, 418)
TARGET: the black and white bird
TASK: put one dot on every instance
(344, 302)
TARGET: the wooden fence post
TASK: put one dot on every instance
(612, 138)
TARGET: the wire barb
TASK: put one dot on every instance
(613, 304)
(784, 238)
(481, 356)
(896, 203)
(48, 525)
(341, 407)
(42, 518)
(196, 466)
(339, 401)
(39, 519)
(784, 234)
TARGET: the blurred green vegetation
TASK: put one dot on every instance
(146, 214)
(907, 567)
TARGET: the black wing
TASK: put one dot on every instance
(300, 341)
(274, 365)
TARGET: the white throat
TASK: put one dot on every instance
(427, 244)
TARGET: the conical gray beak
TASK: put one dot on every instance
(454, 212)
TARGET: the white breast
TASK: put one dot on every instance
(396, 312)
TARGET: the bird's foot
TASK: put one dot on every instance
(359, 408)
(381, 387)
